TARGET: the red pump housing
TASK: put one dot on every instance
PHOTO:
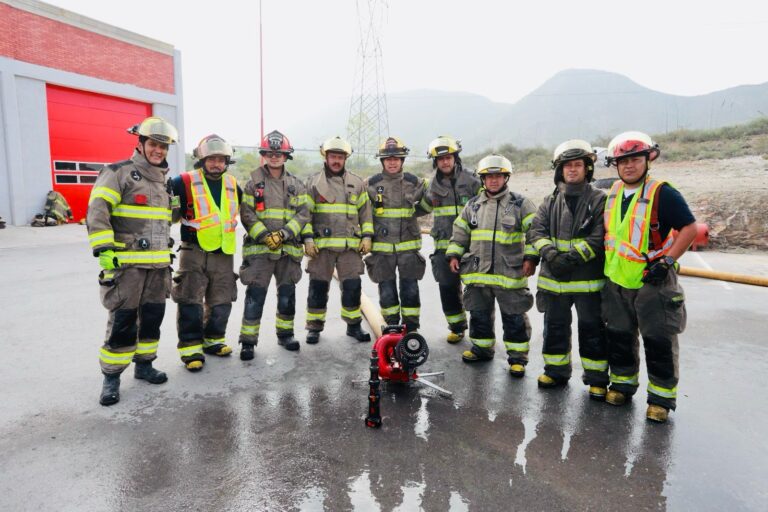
(400, 353)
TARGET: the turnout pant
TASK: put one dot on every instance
(557, 336)
(349, 266)
(135, 298)
(204, 288)
(514, 304)
(451, 294)
(383, 269)
(256, 273)
(658, 313)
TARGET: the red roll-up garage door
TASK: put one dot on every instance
(86, 131)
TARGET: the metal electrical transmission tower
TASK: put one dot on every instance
(368, 120)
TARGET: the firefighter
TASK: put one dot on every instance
(274, 211)
(567, 232)
(128, 219)
(642, 292)
(397, 236)
(205, 285)
(337, 237)
(449, 189)
(488, 249)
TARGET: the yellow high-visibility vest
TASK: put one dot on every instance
(626, 239)
(215, 226)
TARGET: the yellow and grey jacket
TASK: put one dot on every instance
(129, 211)
(273, 204)
(340, 211)
(445, 197)
(489, 237)
(581, 233)
(394, 199)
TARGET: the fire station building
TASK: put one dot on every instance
(69, 88)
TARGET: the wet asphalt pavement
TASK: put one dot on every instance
(285, 431)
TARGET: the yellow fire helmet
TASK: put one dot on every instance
(392, 147)
(157, 129)
(444, 145)
(335, 145)
(494, 164)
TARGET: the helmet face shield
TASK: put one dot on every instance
(629, 144)
(213, 145)
(157, 129)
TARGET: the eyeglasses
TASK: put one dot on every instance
(271, 154)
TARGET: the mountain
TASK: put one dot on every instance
(590, 104)
(576, 103)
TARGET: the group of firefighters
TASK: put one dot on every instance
(613, 257)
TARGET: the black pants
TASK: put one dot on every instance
(591, 332)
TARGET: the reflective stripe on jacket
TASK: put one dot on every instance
(129, 212)
(445, 197)
(340, 211)
(489, 237)
(273, 204)
(393, 200)
(580, 233)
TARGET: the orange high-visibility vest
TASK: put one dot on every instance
(215, 226)
(627, 239)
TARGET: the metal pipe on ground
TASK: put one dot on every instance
(723, 276)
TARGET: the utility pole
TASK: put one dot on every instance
(368, 120)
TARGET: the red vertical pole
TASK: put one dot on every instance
(261, 78)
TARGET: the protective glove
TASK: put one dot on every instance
(657, 272)
(562, 264)
(549, 253)
(310, 249)
(274, 240)
(108, 260)
(365, 246)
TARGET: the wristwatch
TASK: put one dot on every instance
(669, 260)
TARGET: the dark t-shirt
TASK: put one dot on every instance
(177, 184)
(674, 212)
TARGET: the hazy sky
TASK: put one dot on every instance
(501, 50)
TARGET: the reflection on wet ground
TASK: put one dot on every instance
(306, 448)
(286, 431)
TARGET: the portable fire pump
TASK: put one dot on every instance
(394, 358)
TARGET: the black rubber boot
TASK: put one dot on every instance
(110, 390)
(357, 332)
(246, 352)
(288, 342)
(313, 337)
(144, 371)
